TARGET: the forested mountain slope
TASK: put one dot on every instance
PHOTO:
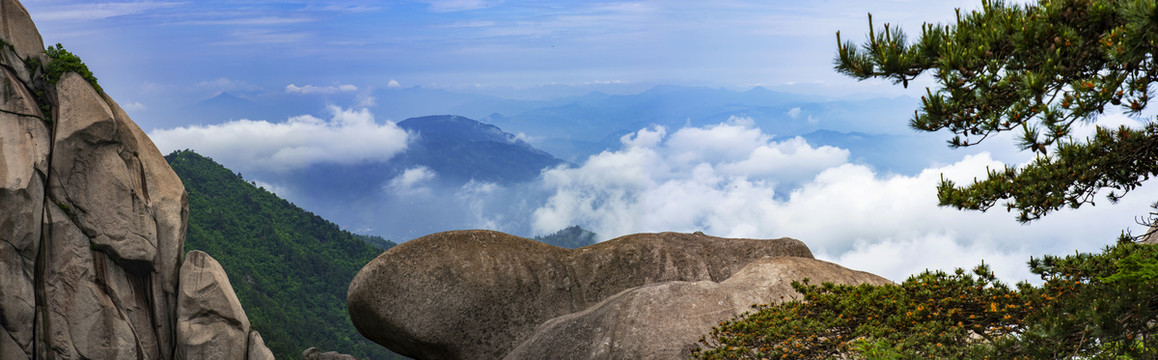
(289, 267)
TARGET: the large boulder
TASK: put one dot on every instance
(478, 294)
(665, 320)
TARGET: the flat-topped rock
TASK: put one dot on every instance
(477, 294)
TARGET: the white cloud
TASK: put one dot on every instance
(310, 89)
(733, 180)
(935, 251)
(794, 113)
(1084, 130)
(458, 5)
(394, 84)
(793, 160)
(281, 191)
(521, 136)
(136, 105)
(348, 137)
(413, 181)
(366, 99)
(263, 37)
(97, 11)
(478, 196)
(358, 7)
(678, 182)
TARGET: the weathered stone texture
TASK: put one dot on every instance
(664, 320)
(478, 294)
(24, 147)
(257, 348)
(210, 321)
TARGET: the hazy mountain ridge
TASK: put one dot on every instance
(444, 155)
(572, 237)
(588, 117)
(462, 150)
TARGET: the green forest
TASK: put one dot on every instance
(289, 267)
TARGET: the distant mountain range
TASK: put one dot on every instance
(587, 125)
(573, 237)
(453, 149)
(421, 190)
(575, 127)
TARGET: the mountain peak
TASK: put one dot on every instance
(463, 148)
(458, 127)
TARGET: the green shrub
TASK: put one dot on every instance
(62, 61)
(1102, 305)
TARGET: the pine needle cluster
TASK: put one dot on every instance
(1038, 70)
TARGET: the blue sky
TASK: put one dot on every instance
(148, 52)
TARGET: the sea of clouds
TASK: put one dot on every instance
(729, 179)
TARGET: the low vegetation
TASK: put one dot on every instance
(1090, 306)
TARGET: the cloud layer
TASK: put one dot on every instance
(348, 137)
(734, 180)
(311, 89)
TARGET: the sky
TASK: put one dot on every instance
(727, 179)
(159, 53)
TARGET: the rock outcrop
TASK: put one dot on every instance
(210, 321)
(92, 219)
(482, 294)
(257, 348)
(314, 354)
(664, 320)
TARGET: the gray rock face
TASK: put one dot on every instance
(478, 294)
(24, 147)
(664, 320)
(314, 354)
(257, 348)
(210, 321)
(17, 29)
(92, 219)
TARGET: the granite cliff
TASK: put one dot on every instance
(92, 227)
